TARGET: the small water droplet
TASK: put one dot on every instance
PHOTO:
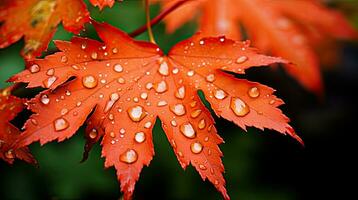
(195, 113)
(254, 92)
(45, 99)
(139, 137)
(178, 109)
(114, 50)
(60, 124)
(196, 147)
(164, 69)
(64, 111)
(161, 87)
(174, 123)
(112, 134)
(136, 113)
(222, 39)
(49, 81)
(180, 94)
(121, 80)
(75, 67)
(162, 103)
(129, 156)
(201, 124)
(202, 167)
(201, 42)
(113, 98)
(187, 130)
(210, 78)
(68, 93)
(149, 86)
(34, 68)
(94, 55)
(193, 104)
(50, 72)
(93, 134)
(89, 81)
(239, 107)
(147, 124)
(144, 95)
(241, 59)
(190, 73)
(83, 46)
(220, 94)
(272, 102)
(118, 68)
(64, 59)
(9, 154)
(34, 121)
(175, 70)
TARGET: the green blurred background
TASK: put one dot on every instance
(259, 165)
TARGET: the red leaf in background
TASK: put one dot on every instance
(10, 106)
(37, 21)
(123, 85)
(102, 3)
(283, 28)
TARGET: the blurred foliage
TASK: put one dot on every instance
(259, 165)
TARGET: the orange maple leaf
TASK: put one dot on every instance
(124, 85)
(10, 106)
(283, 28)
(102, 3)
(37, 22)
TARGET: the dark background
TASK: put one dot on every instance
(259, 164)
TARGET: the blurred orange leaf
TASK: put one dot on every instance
(37, 21)
(283, 28)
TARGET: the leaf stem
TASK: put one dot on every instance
(148, 24)
(158, 18)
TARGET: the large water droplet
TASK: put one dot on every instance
(187, 130)
(136, 113)
(45, 99)
(129, 156)
(118, 68)
(180, 94)
(161, 87)
(254, 92)
(139, 137)
(178, 109)
(239, 107)
(60, 124)
(241, 59)
(164, 69)
(89, 81)
(34, 68)
(219, 94)
(196, 147)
